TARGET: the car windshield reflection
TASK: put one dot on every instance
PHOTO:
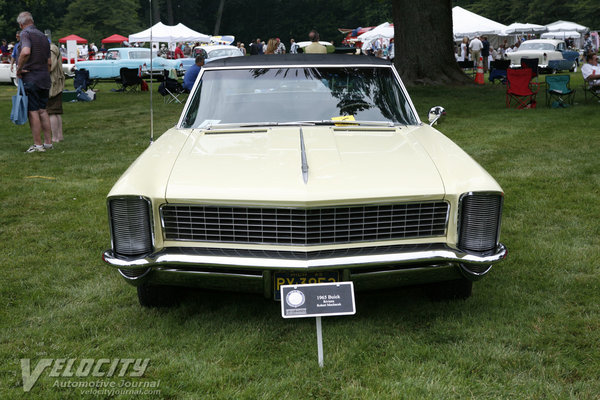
(285, 95)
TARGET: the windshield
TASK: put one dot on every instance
(298, 94)
(536, 46)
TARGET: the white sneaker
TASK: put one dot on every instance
(48, 146)
(35, 148)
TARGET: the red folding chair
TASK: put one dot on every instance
(520, 88)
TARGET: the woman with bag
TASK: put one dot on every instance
(54, 107)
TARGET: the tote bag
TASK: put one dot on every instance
(18, 114)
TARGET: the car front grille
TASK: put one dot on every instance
(479, 221)
(304, 226)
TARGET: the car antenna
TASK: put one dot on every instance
(151, 103)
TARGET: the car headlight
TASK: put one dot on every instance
(479, 221)
(131, 230)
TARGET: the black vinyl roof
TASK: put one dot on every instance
(299, 60)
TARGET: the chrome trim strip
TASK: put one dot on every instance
(438, 254)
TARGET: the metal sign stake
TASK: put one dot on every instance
(319, 341)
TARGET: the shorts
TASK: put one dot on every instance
(37, 98)
(55, 105)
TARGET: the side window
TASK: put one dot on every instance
(560, 47)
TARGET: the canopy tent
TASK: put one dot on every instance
(383, 31)
(517, 27)
(467, 23)
(170, 34)
(226, 39)
(79, 40)
(114, 39)
(565, 26)
(561, 35)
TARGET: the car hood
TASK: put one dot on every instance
(265, 165)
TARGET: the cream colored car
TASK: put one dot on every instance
(302, 169)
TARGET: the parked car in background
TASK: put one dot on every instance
(6, 75)
(302, 168)
(126, 57)
(552, 55)
(212, 53)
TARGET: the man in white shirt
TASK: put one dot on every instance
(476, 47)
(591, 71)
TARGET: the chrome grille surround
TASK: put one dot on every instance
(304, 226)
(130, 225)
(479, 216)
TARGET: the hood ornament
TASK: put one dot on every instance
(303, 156)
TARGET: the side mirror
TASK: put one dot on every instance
(436, 113)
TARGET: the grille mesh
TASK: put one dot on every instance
(130, 222)
(480, 222)
(312, 226)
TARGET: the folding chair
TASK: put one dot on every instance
(559, 89)
(82, 80)
(498, 70)
(170, 88)
(465, 65)
(593, 90)
(520, 88)
(129, 80)
(531, 63)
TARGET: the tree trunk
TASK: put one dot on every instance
(219, 16)
(423, 43)
(170, 19)
(156, 11)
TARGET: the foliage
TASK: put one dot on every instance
(530, 331)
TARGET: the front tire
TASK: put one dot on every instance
(154, 296)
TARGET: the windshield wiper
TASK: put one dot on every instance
(325, 122)
(329, 122)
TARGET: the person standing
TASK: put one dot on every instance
(485, 53)
(315, 47)
(280, 47)
(33, 68)
(475, 46)
(54, 107)
(15, 53)
(293, 47)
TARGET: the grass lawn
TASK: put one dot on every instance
(531, 330)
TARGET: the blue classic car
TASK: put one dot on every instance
(126, 57)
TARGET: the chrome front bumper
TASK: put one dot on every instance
(251, 270)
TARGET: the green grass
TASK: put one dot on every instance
(531, 329)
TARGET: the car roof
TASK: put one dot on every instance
(300, 60)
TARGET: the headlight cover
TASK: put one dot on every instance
(131, 230)
(479, 221)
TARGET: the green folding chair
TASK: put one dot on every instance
(558, 91)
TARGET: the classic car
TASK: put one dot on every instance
(126, 57)
(6, 75)
(212, 53)
(552, 55)
(302, 168)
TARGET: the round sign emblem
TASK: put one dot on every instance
(295, 298)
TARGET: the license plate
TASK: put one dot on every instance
(300, 278)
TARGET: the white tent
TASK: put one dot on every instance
(383, 31)
(517, 27)
(561, 35)
(170, 34)
(467, 23)
(565, 26)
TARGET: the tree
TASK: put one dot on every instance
(424, 49)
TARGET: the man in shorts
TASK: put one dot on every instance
(33, 68)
